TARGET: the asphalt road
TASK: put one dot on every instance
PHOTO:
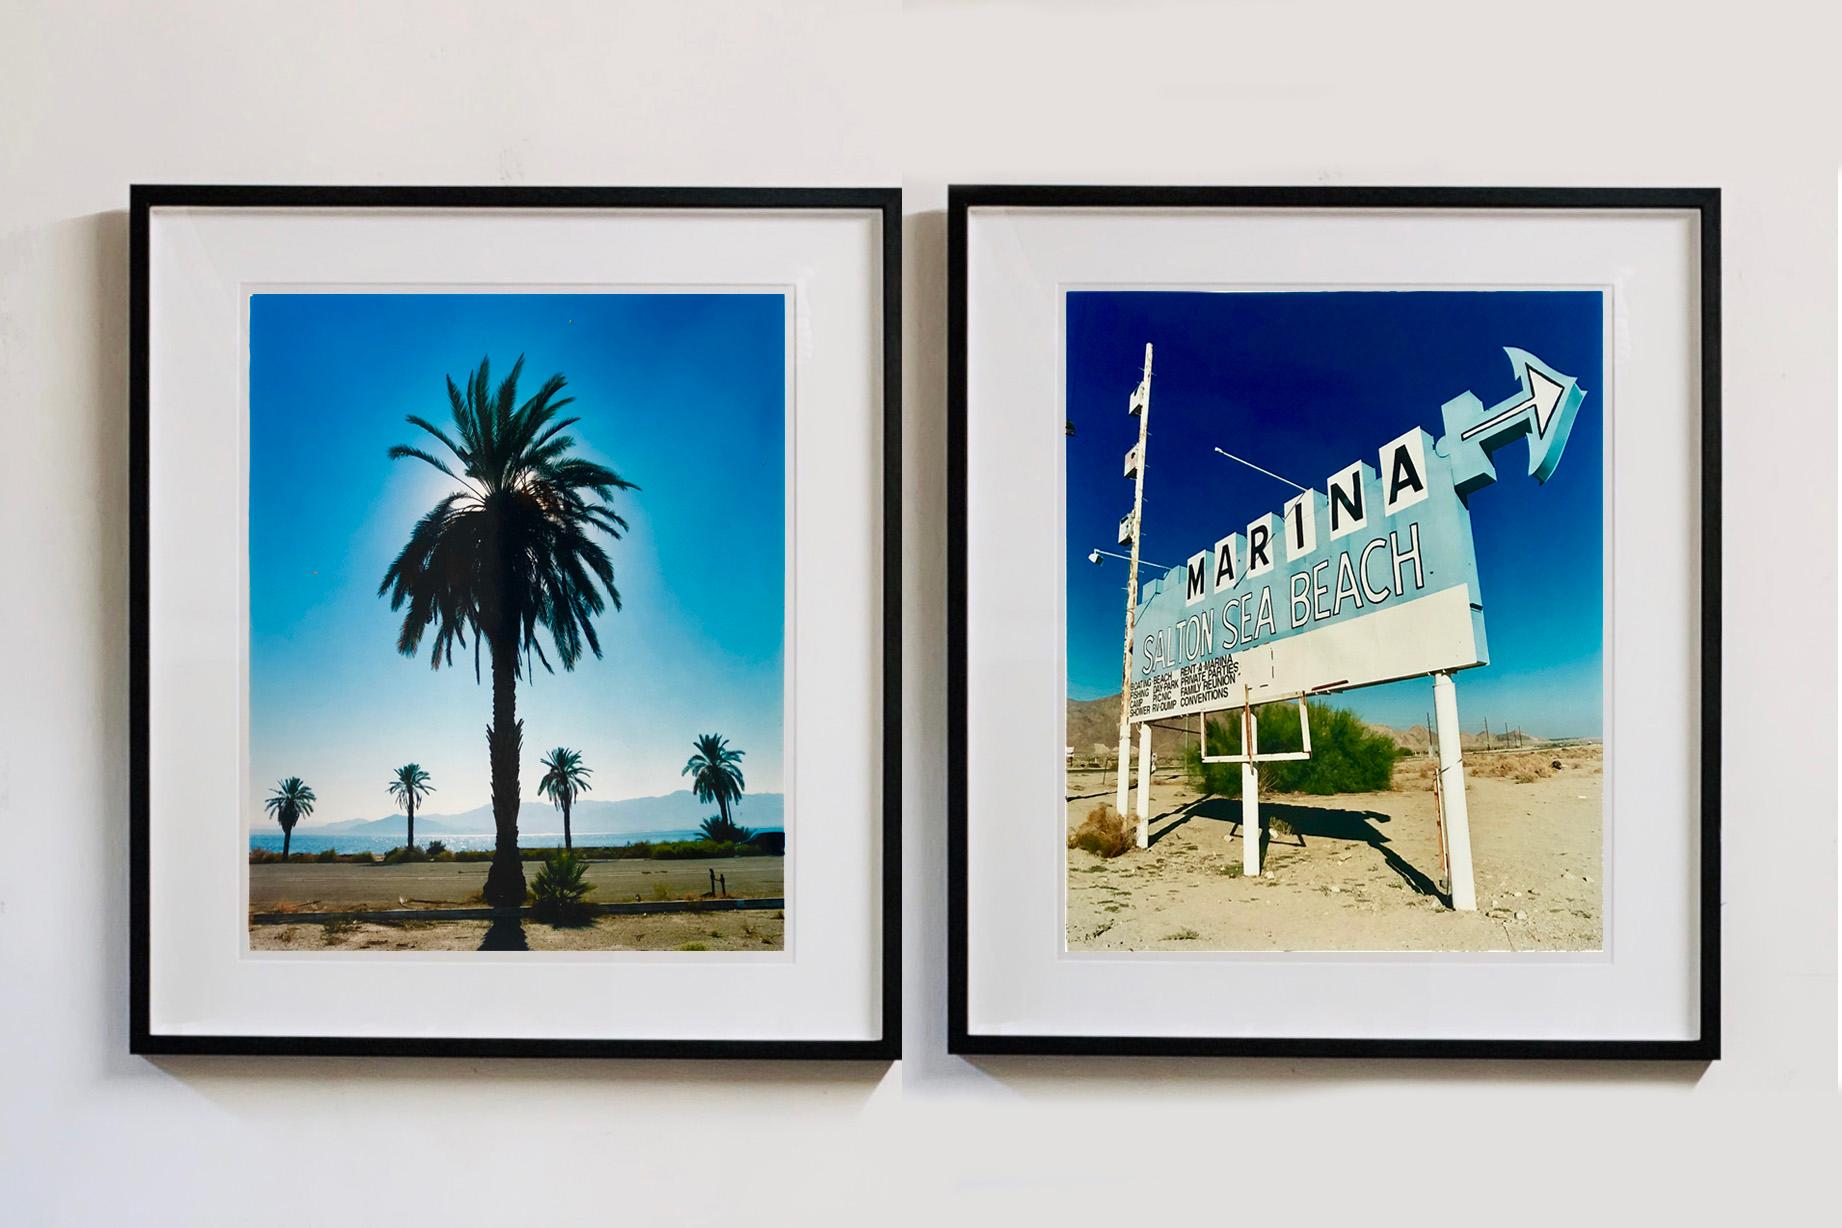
(457, 882)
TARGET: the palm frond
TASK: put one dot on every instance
(512, 557)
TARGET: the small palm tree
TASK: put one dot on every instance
(409, 785)
(557, 891)
(716, 773)
(291, 802)
(722, 831)
(564, 778)
(512, 550)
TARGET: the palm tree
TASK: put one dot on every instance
(722, 831)
(511, 551)
(291, 802)
(409, 784)
(716, 773)
(565, 779)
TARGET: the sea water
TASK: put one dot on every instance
(342, 843)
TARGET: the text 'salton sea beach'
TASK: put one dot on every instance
(1333, 572)
(1358, 568)
(483, 712)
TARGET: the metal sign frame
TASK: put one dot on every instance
(1278, 756)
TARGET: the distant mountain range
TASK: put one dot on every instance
(680, 811)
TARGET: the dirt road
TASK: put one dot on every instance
(308, 886)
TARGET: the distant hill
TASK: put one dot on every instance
(1093, 729)
(1414, 738)
(677, 811)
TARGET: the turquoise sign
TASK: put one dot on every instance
(1371, 578)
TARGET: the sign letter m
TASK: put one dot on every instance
(1197, 570)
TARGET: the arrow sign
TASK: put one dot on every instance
(1543, 409)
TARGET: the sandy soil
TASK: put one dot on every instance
(315, 886)
(729, 931)
(1359, 871)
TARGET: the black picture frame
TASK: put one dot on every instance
(1705, 204)
(887, 203)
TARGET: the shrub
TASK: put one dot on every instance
(332, 931)
(400, 855)
(558, 888)
(684, 850)
(436, 849)
(268, 857)
(1524, 769)
(1104, 833)
(1346, 755)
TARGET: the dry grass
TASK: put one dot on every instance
(1104, 833)
(1521, 767)
(333, 932)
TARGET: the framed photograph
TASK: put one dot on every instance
(516, 621)
(1335, 622)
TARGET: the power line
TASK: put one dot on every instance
(1259, 469)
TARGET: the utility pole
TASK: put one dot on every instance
(1140, 407)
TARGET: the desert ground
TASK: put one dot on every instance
(320, 887)
(316, 886)
(1358, 871)
(755, 930)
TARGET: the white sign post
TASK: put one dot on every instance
(1455, 819)
(1250, 793)
(1144, 784)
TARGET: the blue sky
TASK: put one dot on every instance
(1304, 383)
(683, 394)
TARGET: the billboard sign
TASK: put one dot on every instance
(1370, 578)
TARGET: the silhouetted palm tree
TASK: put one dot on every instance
(291, 802)
(509, 552)
(409, 785)
(716, 773)
(564, 779)
(722, 831)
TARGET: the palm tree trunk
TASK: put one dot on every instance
(722, 806)
(409, 838)
(504, 741)
(568, 846)
(287, 835)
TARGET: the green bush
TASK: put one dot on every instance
(1346, 755)
(557, 891)
(437, 849)
(266, 857)
(663, 850)
(685, 850)
(398, 856)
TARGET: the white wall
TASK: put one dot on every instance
(93, 97)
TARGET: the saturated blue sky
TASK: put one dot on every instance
(683, 394)
(1304, 383)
